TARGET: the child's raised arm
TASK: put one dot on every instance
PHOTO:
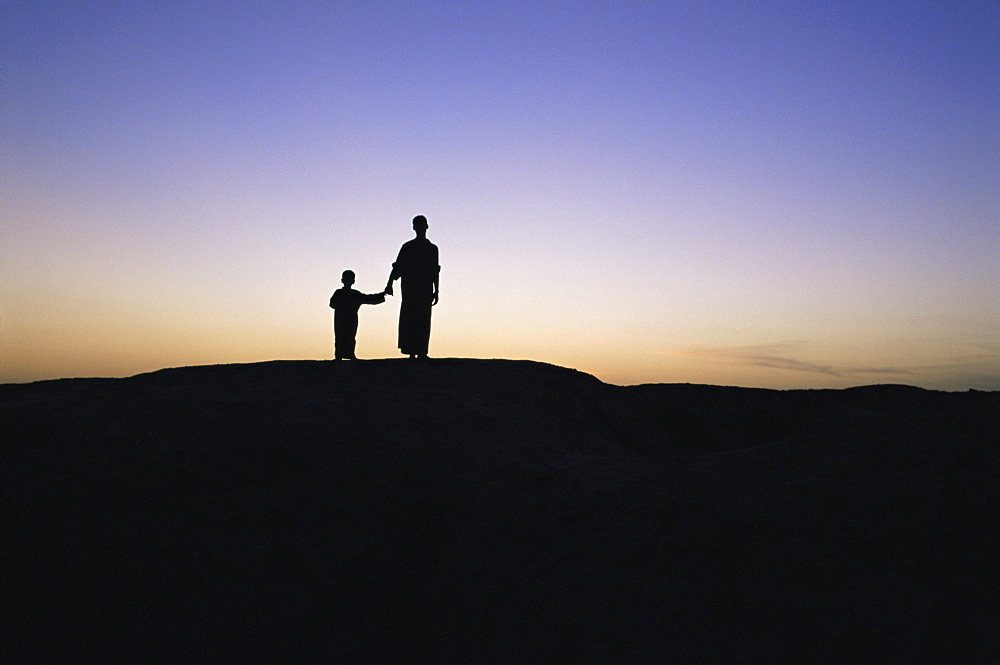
(373, 299)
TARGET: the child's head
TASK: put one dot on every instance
(347, 278)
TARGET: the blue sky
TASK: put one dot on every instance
(768, 194)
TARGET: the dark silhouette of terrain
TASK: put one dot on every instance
(471, 511)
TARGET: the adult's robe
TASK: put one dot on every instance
(417, 267)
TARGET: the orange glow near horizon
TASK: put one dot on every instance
(88, 346)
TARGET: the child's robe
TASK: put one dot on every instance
(346, 303)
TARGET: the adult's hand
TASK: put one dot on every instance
(388, 289)
(434, 299)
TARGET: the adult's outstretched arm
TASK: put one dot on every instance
(393, 276)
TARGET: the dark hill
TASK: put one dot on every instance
(467, 511)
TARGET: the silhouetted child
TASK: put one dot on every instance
(345, 303)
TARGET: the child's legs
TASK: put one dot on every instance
(345, 333)
(344, 347)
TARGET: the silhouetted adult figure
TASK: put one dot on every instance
(417, 269)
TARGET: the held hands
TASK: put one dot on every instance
(388, 292)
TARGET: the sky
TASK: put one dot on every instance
(764, 194)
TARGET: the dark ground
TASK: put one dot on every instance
(474, 511)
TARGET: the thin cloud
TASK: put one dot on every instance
(779, 362)
(973, 370)
(760, 356)
(767, 357)
(883, 370)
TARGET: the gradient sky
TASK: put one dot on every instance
(774, 194)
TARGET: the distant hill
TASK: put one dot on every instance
(493, 511)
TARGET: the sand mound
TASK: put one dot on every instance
(493, 511)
